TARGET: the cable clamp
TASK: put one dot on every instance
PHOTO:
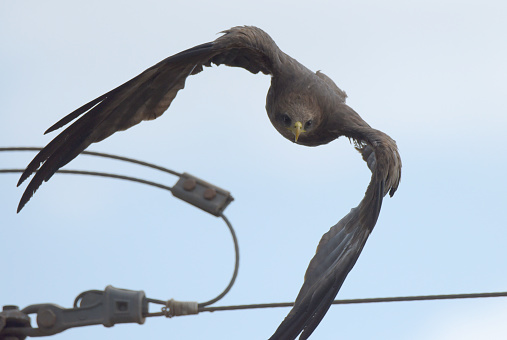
(202, 194)
(178, 308)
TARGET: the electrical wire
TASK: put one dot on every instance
(161, 186)
(99, 174)
(102, 154)
(142, 181)
(203, 306)
(368, 300)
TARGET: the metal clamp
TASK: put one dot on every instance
(108, 307)
(202, 194)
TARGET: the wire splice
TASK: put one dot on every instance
(178, 308)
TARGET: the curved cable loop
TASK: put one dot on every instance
(236, 267)
(142, 181)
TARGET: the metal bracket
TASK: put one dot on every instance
(12, 317)
(202, 194)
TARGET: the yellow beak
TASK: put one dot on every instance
(296, 130)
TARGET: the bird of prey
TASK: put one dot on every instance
(305, 107)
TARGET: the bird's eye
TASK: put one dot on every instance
(285, 119)
(308, 124)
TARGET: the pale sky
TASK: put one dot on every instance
(431, 74)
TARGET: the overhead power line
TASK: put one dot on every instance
(170, 306)
(357, 301)
(186, 194)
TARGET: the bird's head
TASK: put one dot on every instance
(301, 109)
(296, 116)
(295, 125)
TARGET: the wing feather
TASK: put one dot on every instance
(336, 255)
(146, 97)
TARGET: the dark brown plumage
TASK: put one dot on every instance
(305, 107)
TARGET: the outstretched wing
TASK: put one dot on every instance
(147, 96)
(336, 254)
(324, 277)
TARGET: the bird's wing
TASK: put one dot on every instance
(336, 254)
(147, 96)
